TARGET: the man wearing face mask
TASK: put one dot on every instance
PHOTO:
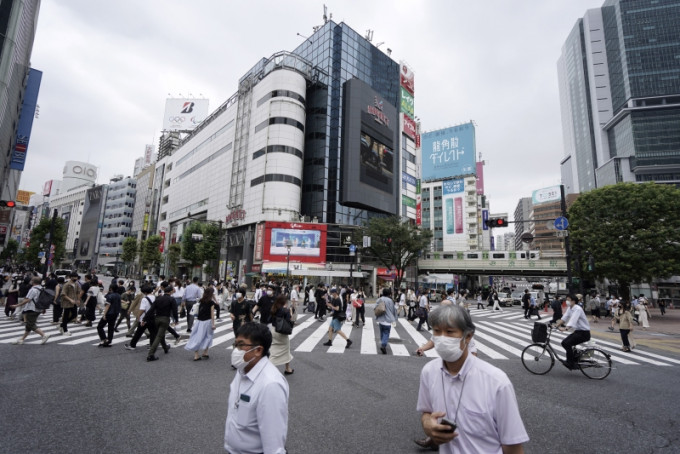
(576, 319)
(239, 310)
(257, 416)
(467, 404)
(264, 306)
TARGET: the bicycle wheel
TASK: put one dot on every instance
(595, 364)
(537, 359)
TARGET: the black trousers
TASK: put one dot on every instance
(624, 337)
(423, 320)
(109, 320)
(575, 338)
(527, 311)
(56, 312)
(320, 310)
(361, 314)
(69, 314)
(90, 308)
(151, 326)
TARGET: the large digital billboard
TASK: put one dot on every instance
(449, 152)
(184, 114)
(90, 223)
(452, 201)
(25, 124)
(307, 242)
(369, 141)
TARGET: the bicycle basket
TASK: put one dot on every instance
(540, 332)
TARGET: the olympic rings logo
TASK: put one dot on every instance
(176, 119)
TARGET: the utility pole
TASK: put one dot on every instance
(567, 247)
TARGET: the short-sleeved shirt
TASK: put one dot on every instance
(32, 296)
(423, 301)
(204, 310)
(488, 416)
(113, 299)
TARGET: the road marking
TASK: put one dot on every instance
(339, 343)
(368, 342)
(418, 338)
(309, 343)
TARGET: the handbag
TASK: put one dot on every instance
(182, 312)
(380, 308)
(283, 326)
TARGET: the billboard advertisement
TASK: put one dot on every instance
(369, 138)
(407, 103)
(410, 128)
(480, 178)
(183, 114)
(307, 242)
(545, 195)
(452, 203)
(406, 78)
(26, 116)
(24, 197)
(148, 153)
(449, 152)
(47, 188)
(66, 216)
(89, 226)
(419, 207)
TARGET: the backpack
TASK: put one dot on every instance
(380, 308)
(44, 300)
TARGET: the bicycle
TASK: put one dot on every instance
(539, 357)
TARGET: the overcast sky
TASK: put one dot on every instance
(109, 66)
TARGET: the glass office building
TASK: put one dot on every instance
(630, 51)
(343, 55)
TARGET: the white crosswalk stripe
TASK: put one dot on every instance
(498, 337)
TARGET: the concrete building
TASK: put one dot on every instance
(544, 232)
(143, 200)
(118, 215)
(522, 218)
(18, 22)
(620, 95)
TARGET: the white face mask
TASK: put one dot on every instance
(448, 347)
(239, 296)
(237, 358)
(270, 293)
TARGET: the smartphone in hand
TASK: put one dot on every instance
(451, 424)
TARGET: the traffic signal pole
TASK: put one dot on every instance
(567, 248)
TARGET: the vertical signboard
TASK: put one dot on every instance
(161, 246)
(406, 78)
(47, 188)
(89, 225)
(480, 178)
(25, 123)
(419, 207)
(407, 103)
(452, 202)
(449, 152)
(410, 128)
(485, 217)
(148, 152)
(259, 242)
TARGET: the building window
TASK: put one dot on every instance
(275, 177)
(280, 93)
(277, 149)
(279, 121)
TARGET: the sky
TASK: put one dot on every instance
(108, 68)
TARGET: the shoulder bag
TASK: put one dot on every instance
(283, 326)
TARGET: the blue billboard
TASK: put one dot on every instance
(18, 159)
(449, 152)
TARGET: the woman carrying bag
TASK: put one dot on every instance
(279, 353)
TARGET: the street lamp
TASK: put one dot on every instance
(289, 244)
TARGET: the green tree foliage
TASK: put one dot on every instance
(10, 251)
(151, 255)
(397, 243)
(130, 249)
(209, 248)
(174, 254)
(40, 235)
(631, 231)
(190, 248)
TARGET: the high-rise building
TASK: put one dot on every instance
(18, 22)
(619, 79)
(522, 218)
(117, 223)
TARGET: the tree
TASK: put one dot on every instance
(39, 238)
(190, 249)
(396, 243)
(209, 247)
(10, 251)
(627, 233)
(174, 253)
(151, 254)
(129, 250)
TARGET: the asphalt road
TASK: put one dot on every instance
(59, 399)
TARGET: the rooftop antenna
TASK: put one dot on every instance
(369, 35)
(325, 11)
(379, 44)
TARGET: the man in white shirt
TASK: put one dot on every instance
(192, 293)
(475, 396)
(423, 309)
(31, 313)
(257, 415)
(575, 318)
(294, 297)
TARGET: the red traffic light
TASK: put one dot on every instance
(8, 203)
(497, 222)
(500, 222)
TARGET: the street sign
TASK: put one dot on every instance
(562, 233)
(561, 223)
(352, 250)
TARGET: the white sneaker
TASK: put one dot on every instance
(66, 333)
(44, 339)
(61, 330)
(17, 342)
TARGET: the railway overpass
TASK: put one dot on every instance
(494, 267)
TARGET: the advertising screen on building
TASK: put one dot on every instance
(406, 78)
(452, 202)
(25, 124)
(184, 114)
(407, 103)
(90, 224)
(369, 140)
(449, 152)
(307, 242)
(410, 128)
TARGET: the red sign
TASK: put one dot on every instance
(259, 242)
(47, 187)
(406, 78)
(409, 126)
(419, 211)
(3, 229)
(161, 247)
(417, 140)
(256, 268)
(237, 215)
(480, 178)
(305, 242)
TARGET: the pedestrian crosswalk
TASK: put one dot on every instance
(498, 336)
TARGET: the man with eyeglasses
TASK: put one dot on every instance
(257, 415)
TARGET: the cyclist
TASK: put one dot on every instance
(576, 319)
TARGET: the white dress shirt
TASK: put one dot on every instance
(145, 304)
(257, 416)
(575, 318)
(488, 417)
